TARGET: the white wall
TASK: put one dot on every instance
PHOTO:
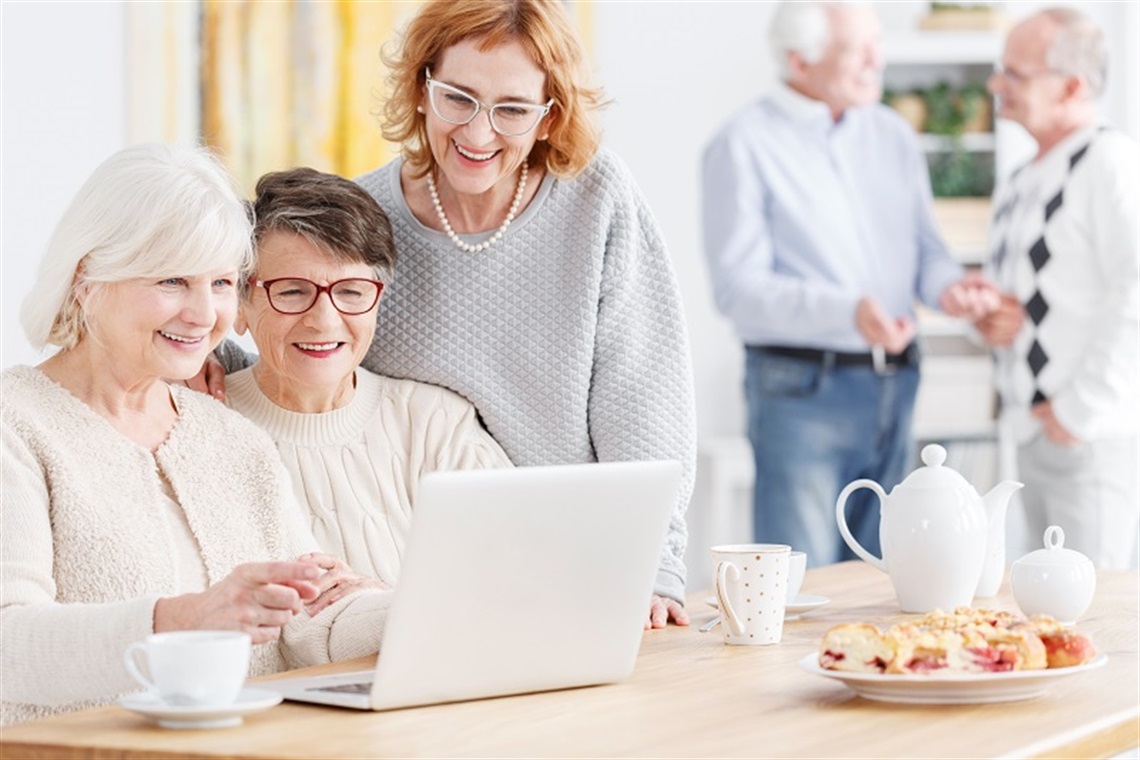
(62, 111)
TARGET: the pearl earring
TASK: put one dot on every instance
(419, 109)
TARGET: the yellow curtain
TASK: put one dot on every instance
(296, 83)
(271, 84)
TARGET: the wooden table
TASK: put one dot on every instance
(690, 696)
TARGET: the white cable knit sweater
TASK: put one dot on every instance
(567, 334)
(357, 468)
(86, 549)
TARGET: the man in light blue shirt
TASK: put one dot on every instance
(819, 235)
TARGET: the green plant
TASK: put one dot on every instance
(948, 109)
(958, 173)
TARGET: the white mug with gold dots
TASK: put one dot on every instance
(751, 591)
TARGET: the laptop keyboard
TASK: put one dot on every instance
(347, 688)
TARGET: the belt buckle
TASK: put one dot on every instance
(879, 361)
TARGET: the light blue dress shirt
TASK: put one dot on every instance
(803, 216)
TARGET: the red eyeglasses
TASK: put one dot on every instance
(296, 295)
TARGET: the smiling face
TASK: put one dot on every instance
(473, 158)
(1028, 91)
(306, 360)
(162, 329)
(850, 72)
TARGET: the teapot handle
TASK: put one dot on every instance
(841, 518)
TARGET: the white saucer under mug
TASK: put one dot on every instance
(248, 701)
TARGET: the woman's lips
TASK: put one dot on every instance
(184, 342)
(472, 155)
(319, 350)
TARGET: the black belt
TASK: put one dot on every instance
(844, 358)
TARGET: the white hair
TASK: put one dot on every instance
(1078, 49)
(799, 27)
(152, 211)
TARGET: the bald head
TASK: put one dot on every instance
(1053, 68)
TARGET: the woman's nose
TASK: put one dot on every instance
(479, 129)
(198, 306)
(322, 312)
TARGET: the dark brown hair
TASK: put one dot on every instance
(331, 212)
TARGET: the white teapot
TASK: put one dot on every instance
(934, 531)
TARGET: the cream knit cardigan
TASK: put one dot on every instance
(86, 551)
(357, 468)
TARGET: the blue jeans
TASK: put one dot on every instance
(814, 428)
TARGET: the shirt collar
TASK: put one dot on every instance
(1061, 153)
(1073, 142)
(800, 107)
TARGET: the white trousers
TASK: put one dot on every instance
(1091, 490)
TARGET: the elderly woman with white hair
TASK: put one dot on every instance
(122, 516)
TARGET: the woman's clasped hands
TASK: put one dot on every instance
(260, 598)
(337, 581)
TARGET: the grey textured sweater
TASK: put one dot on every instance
(567, 335)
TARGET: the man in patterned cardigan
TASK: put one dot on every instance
(1066, 252)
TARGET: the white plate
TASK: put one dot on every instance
(801, 604)
(170, 716)
(951, 689)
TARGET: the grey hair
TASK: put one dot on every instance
(149, 211)
(1078, 49)
(799, 27)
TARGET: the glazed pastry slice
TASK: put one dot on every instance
(856, 648)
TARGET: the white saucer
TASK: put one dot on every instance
(169, 716)
(802, 604)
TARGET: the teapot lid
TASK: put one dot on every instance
(1054, 553)
(934, 474)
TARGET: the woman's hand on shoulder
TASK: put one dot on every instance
(258, 598)
(211, 379)
(338, 580)
(663, 610)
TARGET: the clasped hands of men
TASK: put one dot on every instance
(997, 316)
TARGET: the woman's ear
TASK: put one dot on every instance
(79, 286)
(241, 326)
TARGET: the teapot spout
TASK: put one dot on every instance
(997, 499)
(993, 568)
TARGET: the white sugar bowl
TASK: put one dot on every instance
(1054, 581)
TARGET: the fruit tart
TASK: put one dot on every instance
(966, 641)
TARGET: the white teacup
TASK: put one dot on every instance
(751, 590)
(797, 566)
(192, 668)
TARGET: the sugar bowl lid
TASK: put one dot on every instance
(1054, 554)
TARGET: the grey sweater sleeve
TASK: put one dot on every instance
(233, 357)
(641, 398)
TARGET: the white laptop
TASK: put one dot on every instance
(515, 581)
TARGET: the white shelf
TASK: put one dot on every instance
(938, 48)
(973, 142)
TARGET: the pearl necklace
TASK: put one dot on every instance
(467, 247)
